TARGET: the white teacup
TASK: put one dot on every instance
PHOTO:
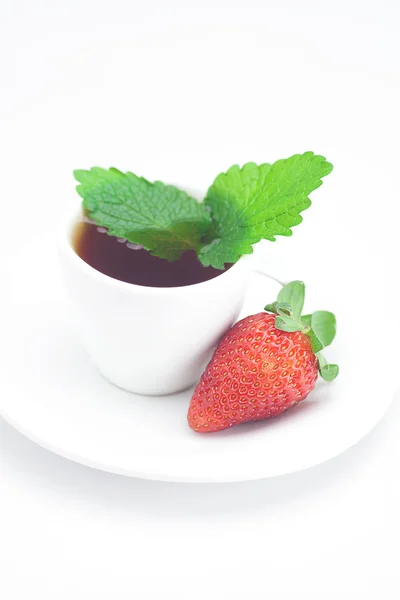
(145, 339)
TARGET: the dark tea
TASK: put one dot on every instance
(127, 262)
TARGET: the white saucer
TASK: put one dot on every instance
(52, 393)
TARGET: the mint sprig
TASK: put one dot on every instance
(242, 206)
(320, 326)
(259, 202)
(161, 218)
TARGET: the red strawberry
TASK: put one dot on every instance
(259, 370)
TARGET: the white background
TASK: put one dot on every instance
(177, 91)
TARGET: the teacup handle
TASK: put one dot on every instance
(256, 262)
(260, 271)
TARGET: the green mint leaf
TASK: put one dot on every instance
(329, 372)
(286, 323)
(306, 320)
(293, 293)
(259, 202)
(162, 218)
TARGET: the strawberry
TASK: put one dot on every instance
(264, 365)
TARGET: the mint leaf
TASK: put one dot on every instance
(259, 202)
(306, 320)
(162, 218)
(293, 293)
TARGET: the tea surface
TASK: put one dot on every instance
(127, 262)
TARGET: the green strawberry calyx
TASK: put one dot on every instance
(320, 326)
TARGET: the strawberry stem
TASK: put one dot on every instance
(320, 326)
